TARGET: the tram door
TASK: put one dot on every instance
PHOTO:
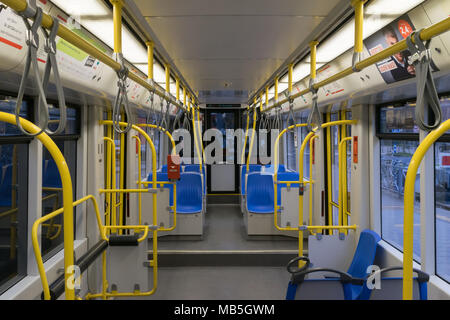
(221, 157)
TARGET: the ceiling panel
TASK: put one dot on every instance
(240, 43)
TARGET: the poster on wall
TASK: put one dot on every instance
(396, 67)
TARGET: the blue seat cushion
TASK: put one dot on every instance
(260, 195)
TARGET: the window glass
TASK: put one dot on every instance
(9, 106)
(442, 200)
(13, 199)
(398, 119)
(72, 124)
(395, 158)
(52, 234)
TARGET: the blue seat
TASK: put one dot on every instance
(271, 168)
(50, 175)
(5, 186)
(362, 259)
(189, 193)
(260, 193)
(163, 177)
(164, 168)
(251, 168)
(196, 168)
(286, 176)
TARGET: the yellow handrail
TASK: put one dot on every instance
(71, 37)
(35, 242)
(408, 229)
(245, 137)
(311, 181)
(305, 141)
(111, 200)
(342, 181)
(196, 140)
(67, 193)
(426, 34)
(154, 261)
(162, 130)
(252, 140)
(138, 141)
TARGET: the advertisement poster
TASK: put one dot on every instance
(396, 67)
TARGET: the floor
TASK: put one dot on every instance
(225, 230)
(225, 264)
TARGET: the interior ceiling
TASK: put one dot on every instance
(232, 44)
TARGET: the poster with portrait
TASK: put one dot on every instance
(396, 67)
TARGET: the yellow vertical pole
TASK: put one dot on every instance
(276, 88)
(185, 98)
(200, 134)
(167, 78)
(313, 47)
(300, 197)
(311, 148)
(150, 52)
(111, 185)
(290, 72)
(139, 183)
(359, 19)
(253, 133)
(177, 84)
(267, 98)
(197, 147)
(344, 170)
(117, 20)
(329, 181)
(245, 136)
(122, 176)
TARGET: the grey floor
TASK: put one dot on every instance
(225, 230)
(222, 283)
(238, 276)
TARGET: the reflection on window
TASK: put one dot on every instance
(398, 119)
(442, 199)
(13, 210)
(9, 106)
(13, 198)
(395, 158)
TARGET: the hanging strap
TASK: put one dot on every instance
(187, 121)
(315, 113)
(177, 122)
(427, 96)
(33, 45)
(121, 98)
(291, 115)
(50, 49)
(164, 116)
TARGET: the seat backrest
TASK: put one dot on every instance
(251, 168)
(164, 168)
(196, 168)
(189, 189)
(364, 253)
(260, 191)
(271, 168)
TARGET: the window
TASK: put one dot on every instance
(399, 140)
(52, 236)
(442, 199)
(13, 197)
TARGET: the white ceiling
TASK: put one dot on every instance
(239, 42)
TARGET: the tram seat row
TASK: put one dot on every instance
(190, 168)
(351, 285)
(189, 191)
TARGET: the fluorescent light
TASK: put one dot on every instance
(82, 8)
